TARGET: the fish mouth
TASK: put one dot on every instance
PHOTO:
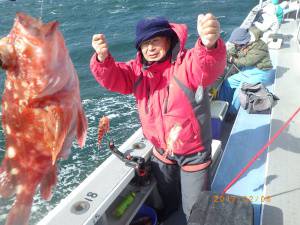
(7, 54)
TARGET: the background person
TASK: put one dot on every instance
(278, 11)
(251, 55)
(269, 24)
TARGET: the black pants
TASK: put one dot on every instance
(178, 186)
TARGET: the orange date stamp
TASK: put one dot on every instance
(232, 199)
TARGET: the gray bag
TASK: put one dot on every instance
(256, 98)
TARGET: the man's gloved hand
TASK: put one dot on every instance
(100, 46)
(208, 29)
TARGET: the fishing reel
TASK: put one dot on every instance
(142, 168)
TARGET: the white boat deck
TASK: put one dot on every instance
(95, 199)
(89, 202)
(283, 167)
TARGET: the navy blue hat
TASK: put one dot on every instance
(151, 27)
(240, 36)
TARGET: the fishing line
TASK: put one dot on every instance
(41, 9)
(228, 73)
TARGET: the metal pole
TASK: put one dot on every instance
(260, 3)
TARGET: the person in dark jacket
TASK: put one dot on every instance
(164, 78)
(250, 56)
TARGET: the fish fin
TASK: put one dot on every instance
(49, 28)
(48, 181)
(31, 24)
(7, 186)
(26, 20)
(56, 131)
(81, 128)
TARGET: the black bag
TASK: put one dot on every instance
(256, 98)
(216, 209)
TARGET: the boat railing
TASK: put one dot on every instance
(292, 12)
(298, 35)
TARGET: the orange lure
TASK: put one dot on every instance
(41, 112)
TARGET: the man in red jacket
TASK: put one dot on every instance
(170, 83)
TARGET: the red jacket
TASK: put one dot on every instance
(165, 91)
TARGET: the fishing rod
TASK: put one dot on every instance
(141, 167)
(136, 162)
(233, 65)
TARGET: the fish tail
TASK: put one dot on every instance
(49, 181)
(81, 128)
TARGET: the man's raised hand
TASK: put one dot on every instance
(100, 46)
(208, 29)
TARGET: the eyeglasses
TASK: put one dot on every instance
(156, 41)
(240, 46)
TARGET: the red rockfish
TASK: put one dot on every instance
(103, 128)
(41, 111)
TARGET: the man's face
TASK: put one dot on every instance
(155, 48)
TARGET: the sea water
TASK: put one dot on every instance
(79, 20)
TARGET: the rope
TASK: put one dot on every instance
(261, 150)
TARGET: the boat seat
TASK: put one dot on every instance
(250, 132)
